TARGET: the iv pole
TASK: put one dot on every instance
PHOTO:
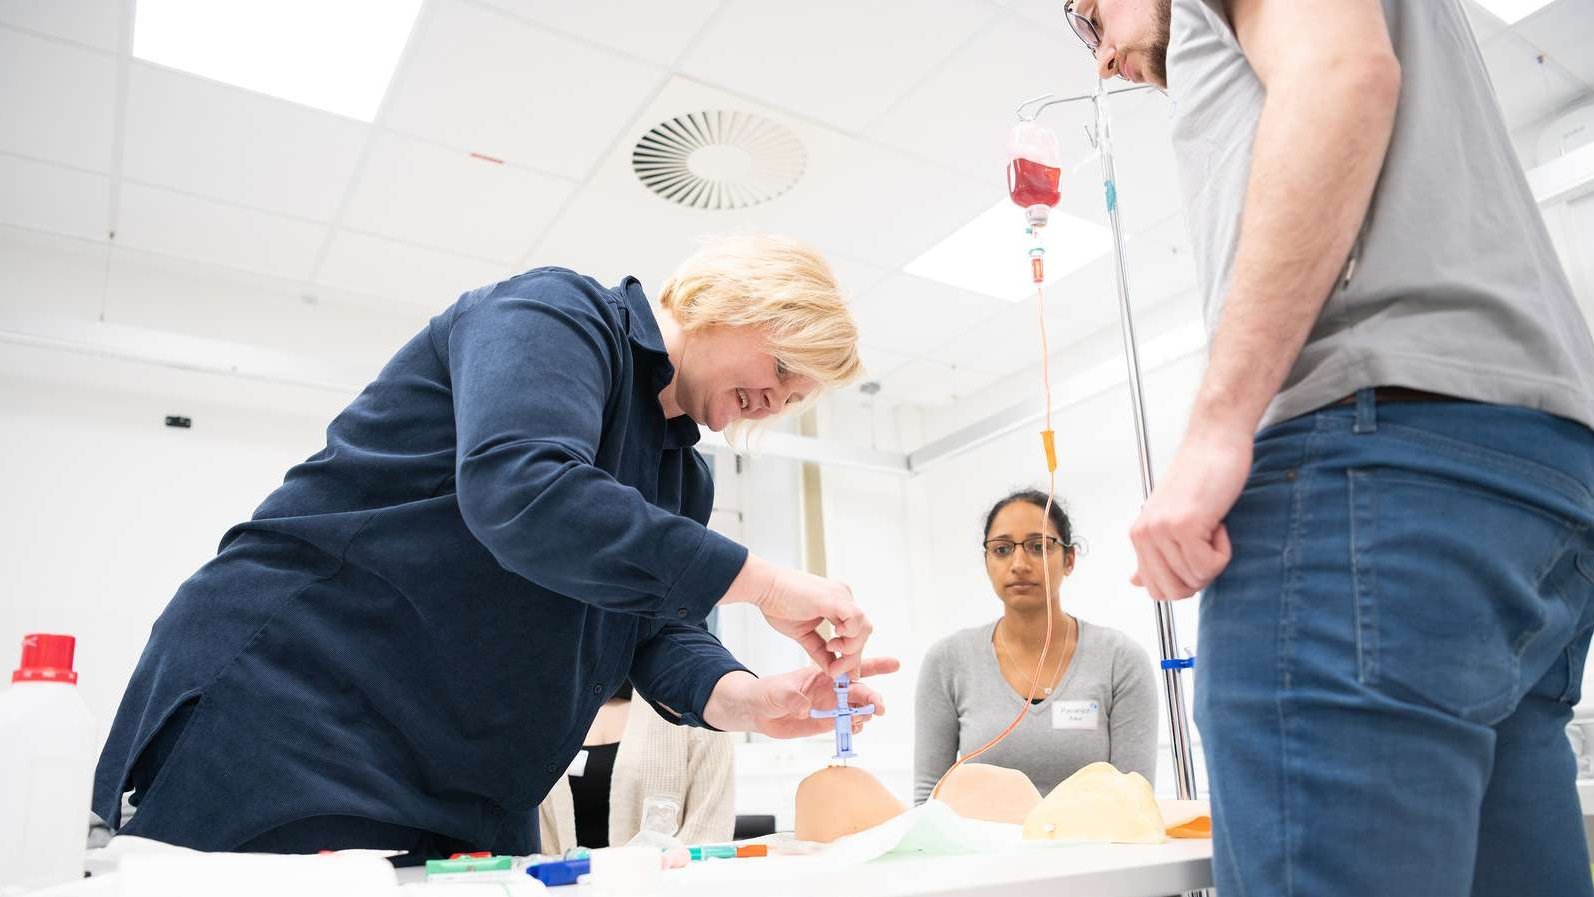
(1172, 664)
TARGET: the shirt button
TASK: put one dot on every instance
(681, 612)
(552, 767)
(597, 689)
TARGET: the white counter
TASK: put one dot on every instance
(1106, 870)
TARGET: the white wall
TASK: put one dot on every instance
(107, 510)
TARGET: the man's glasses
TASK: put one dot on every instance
(1082, 27)
(1035, 547)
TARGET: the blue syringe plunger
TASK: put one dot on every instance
(843, 715)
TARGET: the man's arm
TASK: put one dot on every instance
(1332, 83)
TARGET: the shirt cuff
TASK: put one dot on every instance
(701, 693)
(705, 579)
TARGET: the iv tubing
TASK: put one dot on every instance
(1046, 572)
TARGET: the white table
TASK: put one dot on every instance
(1105, 870)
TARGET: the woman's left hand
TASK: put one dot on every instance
(778, 706)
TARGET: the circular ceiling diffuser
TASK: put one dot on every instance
(719, 159)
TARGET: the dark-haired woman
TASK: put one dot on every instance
(1096, 698)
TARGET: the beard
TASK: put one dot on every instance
(1157, 53)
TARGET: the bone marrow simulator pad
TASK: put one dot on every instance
(991, 793)
(1098, 803)
(842, 800)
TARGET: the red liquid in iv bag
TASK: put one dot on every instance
(1032, 184)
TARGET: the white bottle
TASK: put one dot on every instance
(47, 741)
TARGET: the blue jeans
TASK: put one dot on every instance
(1389, 662)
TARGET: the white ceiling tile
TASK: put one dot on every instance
(92, 22)
(873, 203)
(1048, 15)
(52, 275)
(911, 315)
(1485, 24)
(400, 272)
(880, 363)
(855, 200)
(656, 32)
(1527, 89)
(1143, 162)
(57, 102)
(961, 115)
(488, 82)
(204, 137)
(1083, 303)
(1008, 341)
(842, 62)
(55, 199)
(855, 277)
(172, 296)
(1565, 31)
(932, 384)
(449, 200)
(191, 227)
(1160, 262)
(1087, 299)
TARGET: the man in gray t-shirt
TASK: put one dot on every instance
(1398, 569)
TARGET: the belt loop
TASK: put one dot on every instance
(1366, 411)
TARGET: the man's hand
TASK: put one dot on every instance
(778, 706)
(1180, 541)
(794, 603)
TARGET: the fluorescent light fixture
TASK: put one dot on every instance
(990, 255)
(1513, 11)
(336, 55)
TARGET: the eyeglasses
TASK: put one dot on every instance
(1082, 27)
(1035, 546)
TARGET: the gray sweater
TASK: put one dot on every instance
(1105, 708)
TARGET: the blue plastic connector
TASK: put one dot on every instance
(843, 715)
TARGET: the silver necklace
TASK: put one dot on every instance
(1001, 645)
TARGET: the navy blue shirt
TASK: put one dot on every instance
(420, 624)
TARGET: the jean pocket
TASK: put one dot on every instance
(1446, 582)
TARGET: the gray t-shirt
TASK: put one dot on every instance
(1455, 287)
(1105, 708)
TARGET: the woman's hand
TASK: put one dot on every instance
(778, 706)
(794, 603)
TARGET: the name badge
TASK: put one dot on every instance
(1076, 714)
(578, 766)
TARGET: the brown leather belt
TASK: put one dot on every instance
(1401, 394)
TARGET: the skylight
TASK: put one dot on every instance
(336, 55)
(1513, 11)
(990, 255)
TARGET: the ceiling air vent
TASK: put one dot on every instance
(719, 160)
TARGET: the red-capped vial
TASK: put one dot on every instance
(46, 657)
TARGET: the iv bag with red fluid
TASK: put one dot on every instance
(1034, 170)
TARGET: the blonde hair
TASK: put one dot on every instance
(783, 288)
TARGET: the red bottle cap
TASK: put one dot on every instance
(46, 658)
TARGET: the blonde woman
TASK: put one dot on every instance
(503, 527)
(631, 754)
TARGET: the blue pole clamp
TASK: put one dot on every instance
(1179, 663)
(1112, 196)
